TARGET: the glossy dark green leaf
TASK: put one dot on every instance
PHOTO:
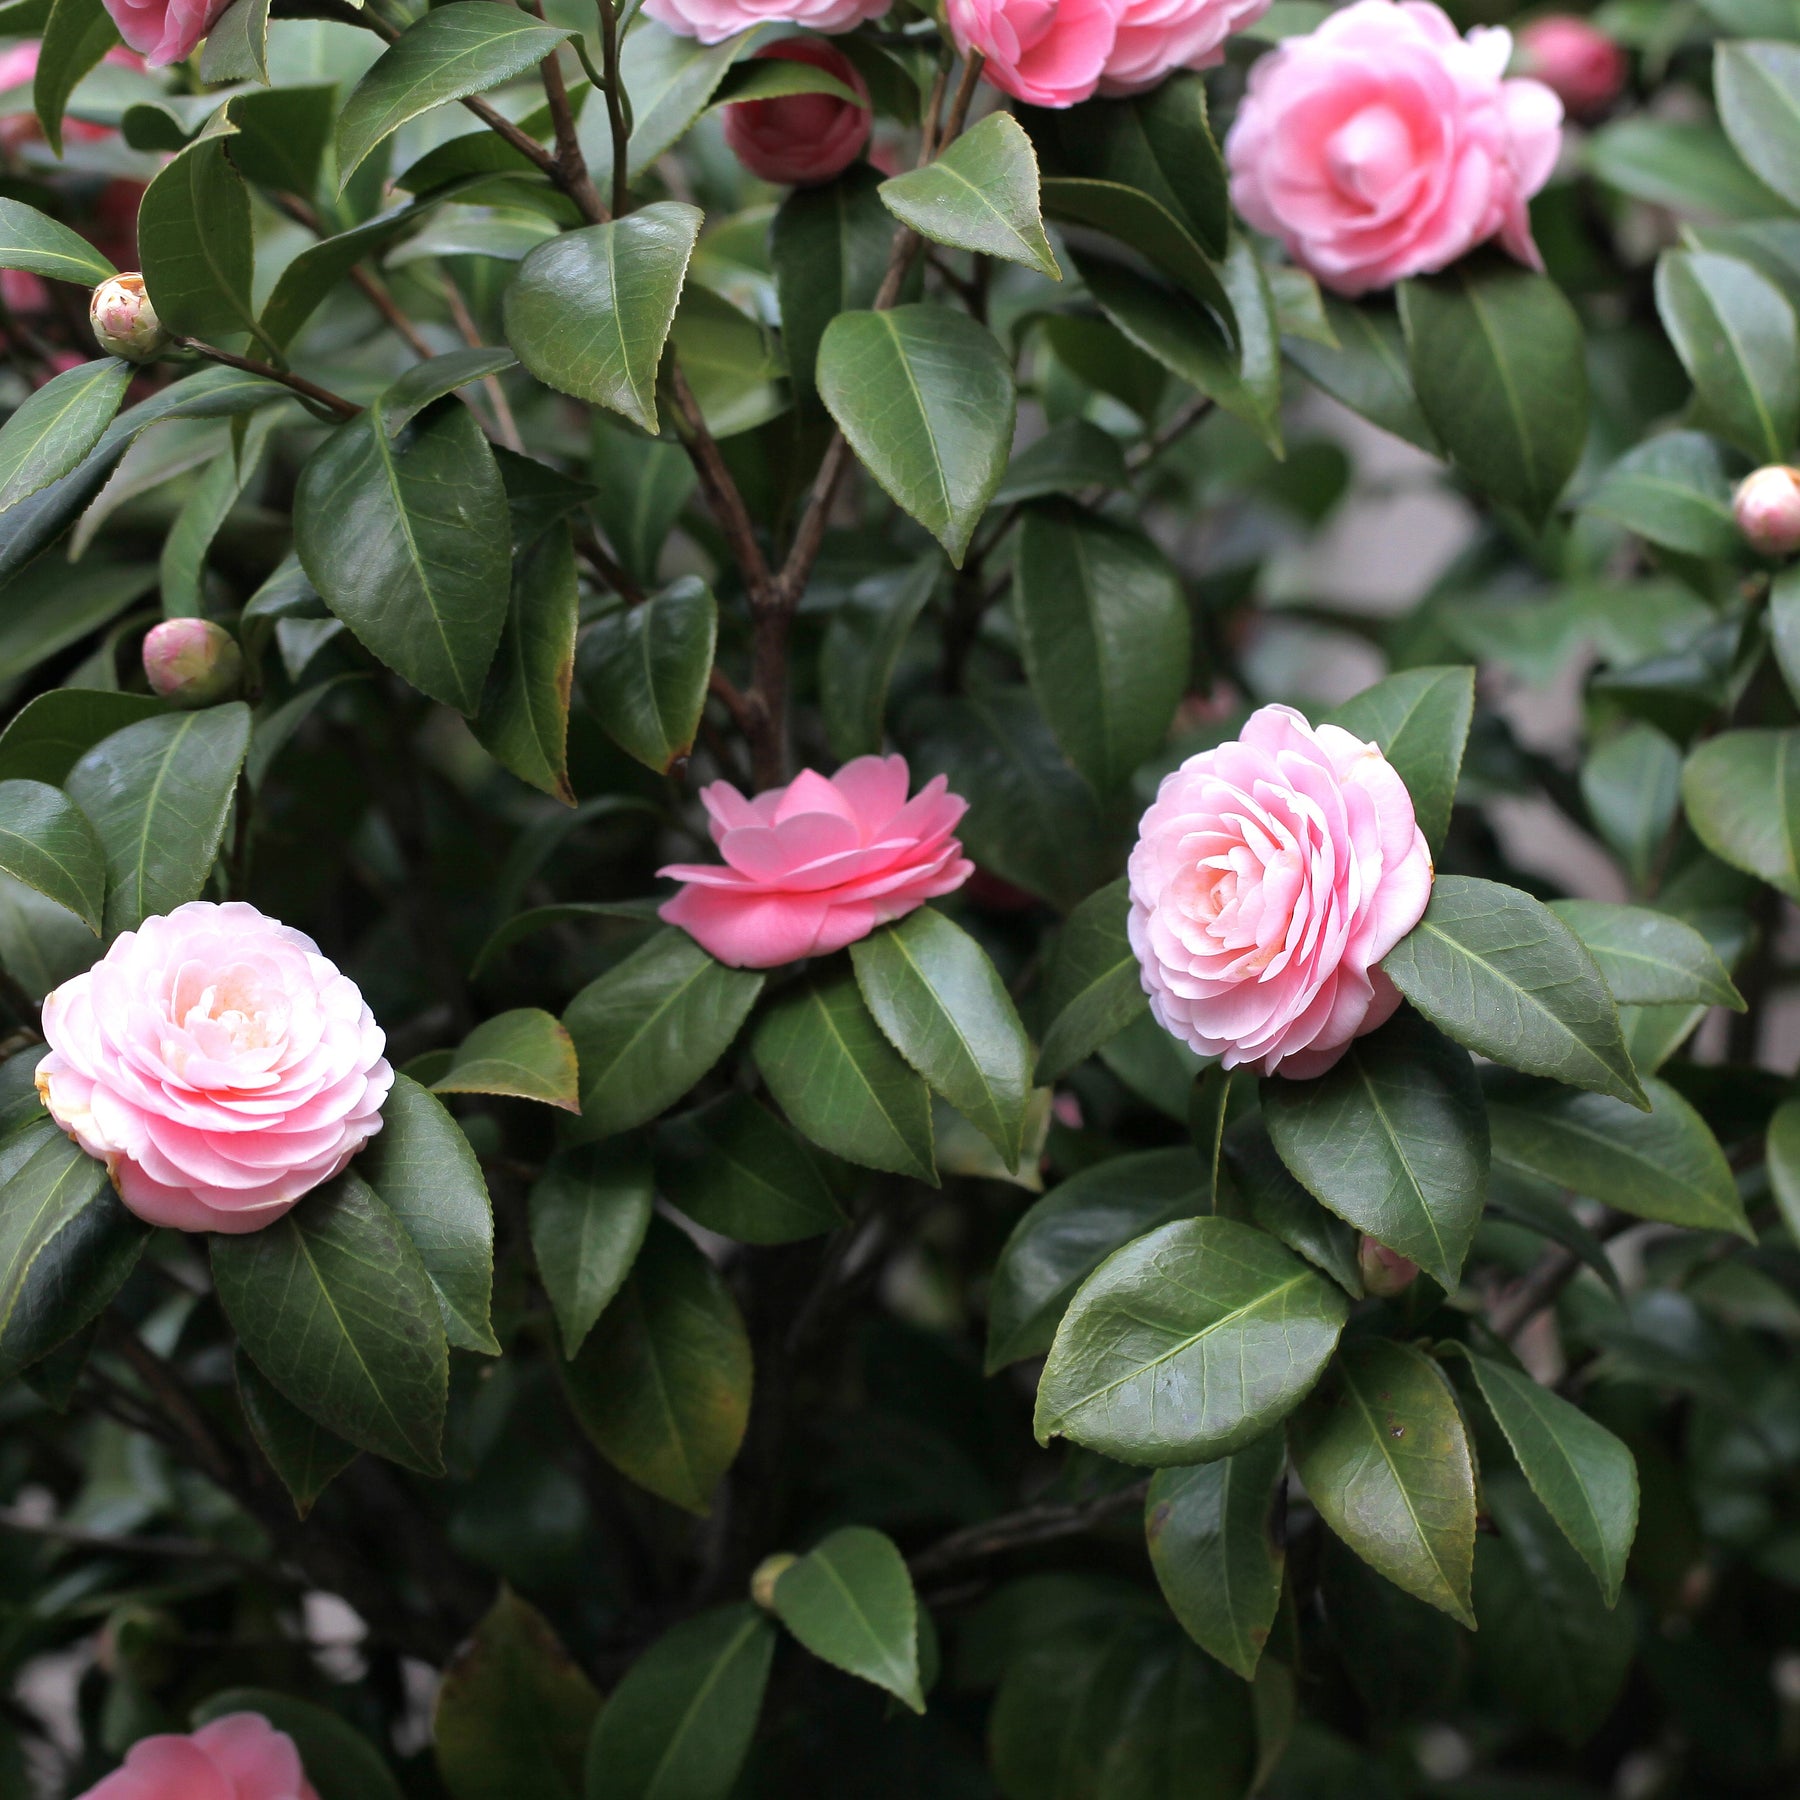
(925, 396)
(733, 1167)
(305, 1456)
(514, 1712)
(1142, 223)
(1394, 1139)
(644, 671)
(524, 716)
(1499, 367)
(77, 34)
(850, 1601)
(1506, 978)
(524, 1053)
(47, 843)
(1186, 1729)
(732, 361)
(402, 400)
(1671, 491)
(1280, 1206)
(590, 1210)
(980, 194)
(197, 248)
(862, 647)
(1187, 1344)
(640, 487)
(650, 1027)
(1420, 718)
(333, 1304)
(829, 245)
(678, 1727)
(1382, 1450)
(1092, 989)
(1686, 165)
(1072, 455)
(340, 1763)
(1741, 790)
(31, 241)
(1632, 786)
(1211, 1531)
(840, 1081)
(662, 1384)
(589, 311)
(157, 794)
(237, 44)
(1784, 625)
(1366, 368)
(55, 427)
(1103, 624)
(1061, 1240)
(1758, 91)
(1649, 958)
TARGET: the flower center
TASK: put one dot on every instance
(1369, 153)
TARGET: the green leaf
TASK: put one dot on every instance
(1506, 978)
(644, 671)
(1103, 624)
(55, 427)
(732, 362)
(829, 245)
(650, 1027)
(734, 1168)
(525, 1053)
(937, 995)
(1500, 370)
(304, 1455)
(524, 718)
(589, 1211)
(66, 1243)
(1741, 790)
(47, 843)
(1092, 989)
(1757, 87)
(678, 1727)
(1784, 1163)
(40, 246)
(237, 44)
(1672, 491)
(850, 1601)
(1586, 1479)
(1736, 337)
(1632, 786)
(197, 249)
(438, 377)
(1280, 1206)
(514, 1713)
(1187, 1345)
(1685, 165)
(1366, 368)
(981, 194)
(1061, 1240)
(1382, 1451)
(925, 396)
(589, 312)
(1664, 1164)
(862, 647)
(340, 1762)
(1392, 1138)
(1142, 223)
(407, 543)
(1211, 1531)
(1784, 625)
(451, 52)
(1420, 718)
(662, 1385)
(157, 794)
(77, 34)
(1649, 958)
(1185, 1729)
(641, 486)
(1072, 455)
(842, 1084)
(335, 1307)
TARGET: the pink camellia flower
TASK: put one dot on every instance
(18, 69)
(1383, 145)
(1271, 875)
(712, 21)
(801, 139)
(217, 1064)
(193, 662)
(238, 1757)
(817, 864)
(1767, 509)
(1576, 60)
(1044, 52)
(165, 31)
(1157, 37)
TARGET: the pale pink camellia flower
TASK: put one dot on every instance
(218, 1065)
(238, 1757)
(712, 21)
(817, 864)
(1383, 145)
(801, 139)
(1157, 37)
(192, 662)
(165, 31)
(1576, 60)
(1044, 52)
(1270, 876)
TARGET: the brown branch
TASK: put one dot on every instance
(736, 702)
(302, 212)
(309, 390)
(609, 571)
(504, 422)
(721, 491)
(571, 165)
(615, 107)
(1015, 1531)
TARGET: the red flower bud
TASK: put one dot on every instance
(1385, 1272)
(125, 323)
(1767, 508)
(1576, 60)
(801, 139)
(193, 662)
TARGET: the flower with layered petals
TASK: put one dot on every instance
(165, 31)
(239, 1757)
(801, 139)
(712, 21)
(1044, 52)
(1157, 37)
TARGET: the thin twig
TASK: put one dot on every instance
(736, 702)
(1032, 1525)
(125, 1544)
(572, 169)
(504, 422)
(615, 108)
(308, 390)
(587, 541)
(721, 491)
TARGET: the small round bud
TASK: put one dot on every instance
(125, 323)
(1385, 1272)
(193, 662)
(798, 140)
(1767, 509)
(769, 1571)
(1576, 60)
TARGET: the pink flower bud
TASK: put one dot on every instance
(1385, 1272)
(1576, 60)
(1767, 508)
(125, 323)
(193, 662)
(801, 139)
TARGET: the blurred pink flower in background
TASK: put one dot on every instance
(1576, 60)
(712, 21)
(799, 139)
(1157, 37)
(239, 1757)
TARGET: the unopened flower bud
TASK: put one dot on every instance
(1767, 508)
(769, 1571)
(125, 323)
(798, 140)
(1576, 60)
(1385, 1272)
(193, 662)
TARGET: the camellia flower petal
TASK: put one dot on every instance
(239, 1757)
(801, 139)
(217, 1063)
(712, 21)
(165, 31)
(1271, 875)
(817, 864)
(1044, 52)
(1156, 37)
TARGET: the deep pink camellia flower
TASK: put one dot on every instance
(1157, 37)
(218, 1065)
(239, 1757)
(1576, 60)
(801, 139)
(817, 864)
(1271, 875)
(1044, 52)
(712, 21)
(165, 31)
(1383, 145)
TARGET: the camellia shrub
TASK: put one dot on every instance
(790, 1006)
